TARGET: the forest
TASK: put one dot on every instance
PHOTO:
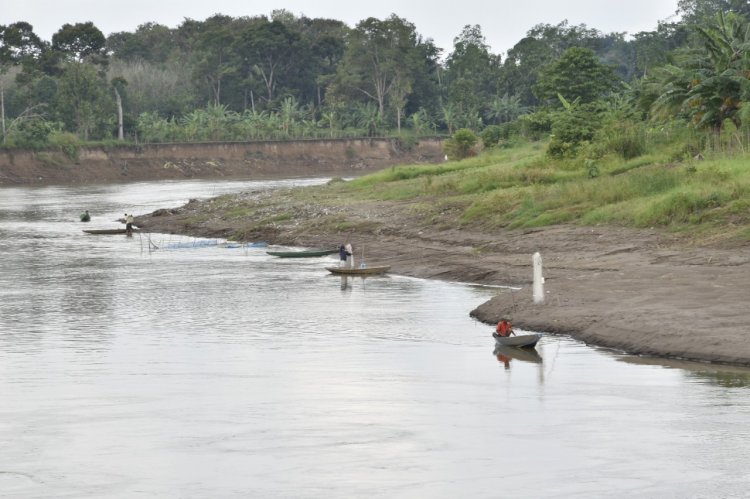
(283, 77)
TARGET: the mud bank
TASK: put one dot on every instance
(641, 291)
(149, 162)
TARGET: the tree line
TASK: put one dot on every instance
(283, 76)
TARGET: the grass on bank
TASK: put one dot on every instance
(521, 187)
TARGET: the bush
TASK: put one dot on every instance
(536, 125)
(573, 127)
(460, 145)
(32, 133)
(626, 139)
(491, 135)
(68, 143)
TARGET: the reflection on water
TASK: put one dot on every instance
(724, 376)
(211, 370)
(505, 354)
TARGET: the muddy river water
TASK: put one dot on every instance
(167, 366)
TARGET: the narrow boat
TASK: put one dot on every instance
(102, 232)
(363, 271)
(302, 253)
(521, 341)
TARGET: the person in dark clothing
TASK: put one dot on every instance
(342, 256)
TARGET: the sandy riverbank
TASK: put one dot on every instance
(641, 291)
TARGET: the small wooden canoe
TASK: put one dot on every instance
(104, 232)
(362, 271)
(302, 253)
(522, 341)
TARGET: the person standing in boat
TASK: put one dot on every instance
(504, 328)
(349, 255)
(128, 224)
(342, 256)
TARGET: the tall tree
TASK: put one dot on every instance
(18, 44)
(81, 41)
(82, 102)
(381, 64)
(698, 11)
(543, 44)
(214, 58)
(270, 52)
(709, 85)
(471, 72)
(150, 42)
(577, 74)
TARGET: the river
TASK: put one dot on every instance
(166, 366)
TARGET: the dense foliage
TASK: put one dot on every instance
(283, 76)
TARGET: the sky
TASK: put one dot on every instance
(503, 22)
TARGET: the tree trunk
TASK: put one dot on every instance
(2, 109)
(120, 131)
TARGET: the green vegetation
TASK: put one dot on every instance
(281, 77)
(522, 187)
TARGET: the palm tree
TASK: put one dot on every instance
(505, 109)
(709, 85)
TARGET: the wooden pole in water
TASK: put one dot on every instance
(538, 288)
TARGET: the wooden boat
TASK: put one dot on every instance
(521, 341)
(302, 253)
(103, 232)
(523, 354)
(361, 271)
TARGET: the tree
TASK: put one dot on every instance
(543, 44)
(382, 63)
(654, 48)
(698, 11)
(577, 74)
(471, 72)
(214, 60)
(269, 53)
(151, 42)
(118, 87)
(18, 44)
(82, 102)
(708, 85)
(505, 109)
(81, 41)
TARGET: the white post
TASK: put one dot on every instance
(538, 289)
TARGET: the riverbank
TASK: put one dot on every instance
(645, 292)
(230, 160)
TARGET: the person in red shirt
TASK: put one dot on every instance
(504, 328)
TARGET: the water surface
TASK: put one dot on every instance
(210, 371)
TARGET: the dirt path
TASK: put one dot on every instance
(640, 291)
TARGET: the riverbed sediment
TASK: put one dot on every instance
(646, 292)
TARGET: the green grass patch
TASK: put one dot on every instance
(519, 187)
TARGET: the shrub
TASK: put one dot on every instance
(460, 145)
(536, 125)
(491, 135)
(624, 138)
(66, 142)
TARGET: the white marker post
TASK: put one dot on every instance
(538, 289)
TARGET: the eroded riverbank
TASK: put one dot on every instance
(641, 291)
